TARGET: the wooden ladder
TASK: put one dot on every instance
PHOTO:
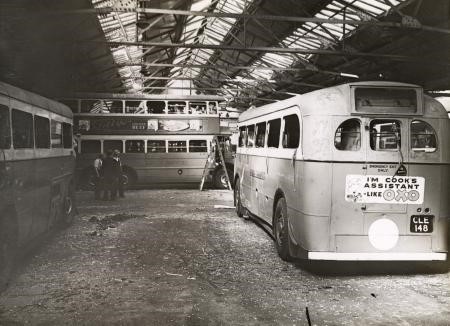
(211, 158)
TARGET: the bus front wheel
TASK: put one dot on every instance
(281, 230)
(8, 247)
(237, 199)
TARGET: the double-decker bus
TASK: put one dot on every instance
(37, 164)
(358, 171)
(164, 139)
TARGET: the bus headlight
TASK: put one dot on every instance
(383, 234)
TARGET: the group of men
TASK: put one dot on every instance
(108, 176)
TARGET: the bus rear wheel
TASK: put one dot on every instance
(281, 230)
(237, 199)
(69, 207)
(8, 247)
(220, 178)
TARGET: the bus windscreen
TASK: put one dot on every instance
(380, 100)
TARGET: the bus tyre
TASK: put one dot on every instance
(8, 247)
(237, 199)
(281, 230)
(220, 178)
(69, 207)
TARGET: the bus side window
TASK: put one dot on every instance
(250, 136)
(198, 146)
(112, 144)
(22, 126)
(423, 137)
(156, 146)
(67, 135)
(90, 146)
(56, 134)
(242, 136)
(134, 146)
(5, 130)
(273, 139)
(260, 134)
(291, 133)
(348, 135)
(41, 132)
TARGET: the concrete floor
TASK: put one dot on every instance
(169, 257)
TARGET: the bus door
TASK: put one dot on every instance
(386, 153)
(258, 171)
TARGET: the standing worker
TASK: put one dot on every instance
(98, 162)
(112, 174)
(118, 164)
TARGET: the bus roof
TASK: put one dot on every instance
(335, 101)
(35, 99)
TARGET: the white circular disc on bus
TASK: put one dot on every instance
(383, 234)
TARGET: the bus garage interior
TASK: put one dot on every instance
(283, 162)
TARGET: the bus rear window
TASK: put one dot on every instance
(41, 132)
(90, 146)
(423, 137)
(385, 135)
(291, 134)
(378, 100)
(22, 127)
(260, 134)
(273, 139)
(348, 136)
(197, 146)
(5, 130)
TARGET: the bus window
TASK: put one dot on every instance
(41, 132)
(242, 137)
(90, 146)
(5, 130)
(94, 106)
(135, 107)
(156, 107)
(111, 145)
(385, 135)
(260, 134)
(22, 127)
(197, 108)
(176, 107)
(177, 146)
(212, 108)
(250, 136)
(67, 135)
(56, 134)
(156, 146)
(115, 106)
(273, 139)
(291, 133)
(423, 137)
(348, 136)
(134, 146)
(196, 146)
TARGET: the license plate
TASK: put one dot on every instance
(421, 224)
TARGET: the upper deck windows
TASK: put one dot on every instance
(5, 129)
(291, 133)
(348, 135)
(423, 137)
(385, 135)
